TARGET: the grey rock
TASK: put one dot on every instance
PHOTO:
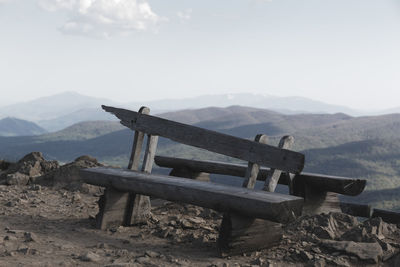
(30, 237)
(17, 178)
(369, 252)
(90, 257)
(152, 254)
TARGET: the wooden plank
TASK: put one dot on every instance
(253, 168)
(272, 179)
(253, 203)
(115, 207)
(387, 215)
(228, 145)
(137, 144)
(150, 153)
(337, 184)
(359, 210)
(141, 208)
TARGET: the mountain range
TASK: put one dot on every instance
(16, 127)
(57, 112)
(334, 143)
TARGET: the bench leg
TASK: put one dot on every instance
(315, 200)
(139, 210)
(112, 208)
(239, 234)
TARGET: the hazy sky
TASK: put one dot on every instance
(338, 51)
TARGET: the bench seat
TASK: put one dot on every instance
(276, 207)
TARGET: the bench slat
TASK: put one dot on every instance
(253, 203)
(262, 154)
(341, 185)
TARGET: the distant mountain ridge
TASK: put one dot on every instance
(62, 110)
(16, 127)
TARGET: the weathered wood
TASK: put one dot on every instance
(272, 179)
(137, 144)
(116, 207)
(253, 203)
(387, 215)
(359, 210)
(316, 201)
(241, 234)
(141, 208)
(150, 153)
(253, 168)
(337, 184)
(244, 149)
(112, 208)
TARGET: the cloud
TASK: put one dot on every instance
(185, 14)
(104, 18)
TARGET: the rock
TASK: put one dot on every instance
(11, 204)
(90, 256)
(87, 158)
(30, 237)
(143, 260)
(67, 176)
(76, 198)
(323, 226)
(306, 256)
(4, 165)
(369, 252)
(17, 178)
(122, 264)
(152, 254)
(35, 187)
(10, 238)
(196, 220)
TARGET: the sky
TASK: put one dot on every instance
(337, 51)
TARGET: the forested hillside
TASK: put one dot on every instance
(335, 144)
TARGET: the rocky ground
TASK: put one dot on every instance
(47, 219)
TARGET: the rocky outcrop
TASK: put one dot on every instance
(340, 239)
(34, 169)
(67, 176)
(29, 167)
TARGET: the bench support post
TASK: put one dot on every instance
(139, 205)
(121, 208)
(239, 234)
(112, 208)
(315, 200)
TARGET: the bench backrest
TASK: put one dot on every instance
(251, 151)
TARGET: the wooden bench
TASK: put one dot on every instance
(252, 218)
(318, 190)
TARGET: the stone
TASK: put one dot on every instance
(35, 187)
(369, 252)
(152, 254)
(76, 198)
(143, 260)
(17, 178)
(90, 257)
(30, 237)
(306, 256)
(10, 238)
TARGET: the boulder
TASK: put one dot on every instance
(67, 176)
(17, 179)
(369, 252)
(31, 165)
